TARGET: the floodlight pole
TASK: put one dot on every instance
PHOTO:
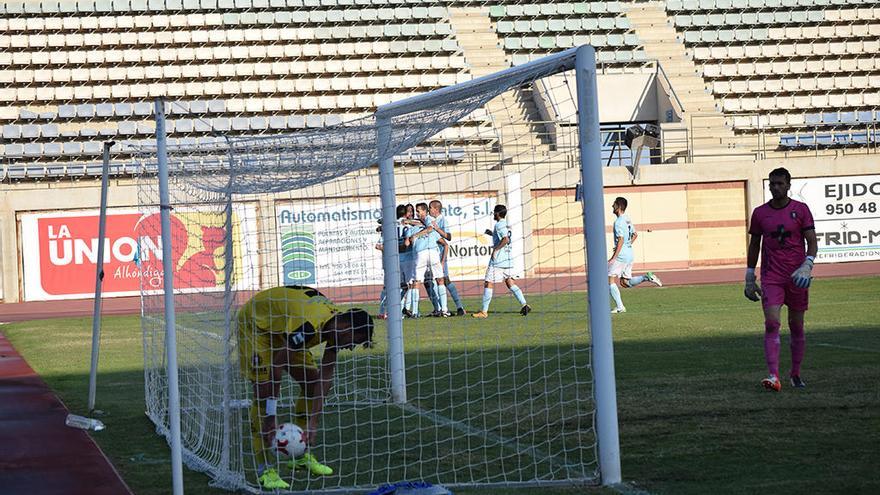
(597, 276)
(390, 260)
(168, 285)
(99, 276)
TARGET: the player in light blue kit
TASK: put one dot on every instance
(435, 208)
(500, 265)
(425, 241)
(620, 263)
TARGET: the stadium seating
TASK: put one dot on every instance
(529, 31)
(834, 129)
(75, 73)
(238, 66)
(783, 59)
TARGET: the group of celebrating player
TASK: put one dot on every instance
(423, 238)
(277, 327)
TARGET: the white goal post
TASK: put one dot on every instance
(507, 400)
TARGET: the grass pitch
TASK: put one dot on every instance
(693, 418)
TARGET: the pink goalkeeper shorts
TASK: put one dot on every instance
(785, 293)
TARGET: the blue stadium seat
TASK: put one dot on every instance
(85, 110)
(49, 130)
(33, 150)
(859, 137)
(216, 106)
(296, 122)
(788, 141)
(127, 128)
(143, 109)
(865, 116)
(830, 118)
(123, 109)
(30, 131)
(813, 118)
(52, 149)
(240, 124)
(13, 150)
(183, 125)
(842, 138)
(278, 122)
(104, 110)
(824, 140)
(202, 126)
(258, 124)
(11, 131)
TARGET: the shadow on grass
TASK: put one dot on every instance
(692, 416)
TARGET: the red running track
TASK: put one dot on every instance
(39, 454)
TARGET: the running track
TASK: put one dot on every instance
(39, 454)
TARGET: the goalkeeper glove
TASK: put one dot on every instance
(752, 290)
(803, 275)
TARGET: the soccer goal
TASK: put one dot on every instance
(502, 400)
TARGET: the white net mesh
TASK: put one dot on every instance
(501, 400)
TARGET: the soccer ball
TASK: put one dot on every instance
(288, 440)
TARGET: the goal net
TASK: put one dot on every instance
(456, 400)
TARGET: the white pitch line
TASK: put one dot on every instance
(469, 430)
(851, 348)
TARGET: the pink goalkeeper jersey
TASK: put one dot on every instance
(783, 247)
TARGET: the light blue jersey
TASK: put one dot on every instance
(424, 242)
(402, 230)
(503, 258)
(624, 232)
(441, 223)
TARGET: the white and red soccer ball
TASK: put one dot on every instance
(288, 441)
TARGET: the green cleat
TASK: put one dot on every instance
(271, 481)
(309, 462)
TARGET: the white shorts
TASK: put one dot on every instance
(620, 269)
(407, 271)
(497, 274)
(427, 259)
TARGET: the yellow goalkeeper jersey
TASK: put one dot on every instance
(288, 310)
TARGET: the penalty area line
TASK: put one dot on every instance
(532, 451)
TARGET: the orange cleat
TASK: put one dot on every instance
(772, 383)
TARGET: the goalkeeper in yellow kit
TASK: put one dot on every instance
(276, 330)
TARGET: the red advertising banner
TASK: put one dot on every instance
(60, 253)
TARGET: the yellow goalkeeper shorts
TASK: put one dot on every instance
(256, 348)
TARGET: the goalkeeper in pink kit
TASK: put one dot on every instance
(779, 231)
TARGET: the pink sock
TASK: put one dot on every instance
(771, 346)
(798, 345)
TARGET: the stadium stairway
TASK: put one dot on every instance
(514, 114)
(708, 135)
